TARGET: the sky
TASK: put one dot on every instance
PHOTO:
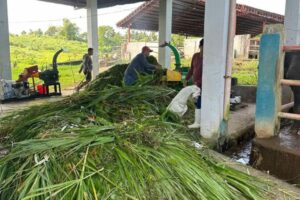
(34, 14)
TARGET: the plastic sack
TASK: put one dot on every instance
(179, 103)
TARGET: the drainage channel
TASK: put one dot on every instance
(240, 153)
(279, 156)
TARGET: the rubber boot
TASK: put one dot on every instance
(197, 122)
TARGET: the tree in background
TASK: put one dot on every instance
(143, 36)
(139, 36)
(108, 38)
(178, 40)
(69, 30)
(153, 37)
(52, 31)
(37, 32)
(83, 37)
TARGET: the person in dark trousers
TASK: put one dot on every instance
(86, 68)
(195, 72)
(139, 65)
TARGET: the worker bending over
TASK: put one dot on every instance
(179, 103)
(86, 68)
(195, 72)
(139, 65)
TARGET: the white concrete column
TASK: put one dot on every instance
(216, 29)
(165, 31)
(92, 28)
(292, 22)
(5, 68)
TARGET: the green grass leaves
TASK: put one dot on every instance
(112, 142)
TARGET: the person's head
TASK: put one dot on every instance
(146, 50)
(90, 51)
(201, 45)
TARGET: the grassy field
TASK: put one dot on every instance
(29, 50)
(246, 72)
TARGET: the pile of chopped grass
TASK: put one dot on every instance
(111, 142)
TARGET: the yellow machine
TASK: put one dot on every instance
(173, 76)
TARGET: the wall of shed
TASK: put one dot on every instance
(241, 46)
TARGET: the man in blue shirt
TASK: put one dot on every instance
(139, 65)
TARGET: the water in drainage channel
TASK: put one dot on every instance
(242, 151)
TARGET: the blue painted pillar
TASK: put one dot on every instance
(268, 100)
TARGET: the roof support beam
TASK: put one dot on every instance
(92, 27)
(292, 22)
(165, 31)
(5, 68)
(217, 51)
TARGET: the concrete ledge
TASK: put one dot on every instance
(240, 128)
(248, 93)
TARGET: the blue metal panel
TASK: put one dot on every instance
(267, 91)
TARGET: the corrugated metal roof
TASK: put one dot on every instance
(101, 3)
(188, 18)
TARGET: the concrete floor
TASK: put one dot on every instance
(22, 104)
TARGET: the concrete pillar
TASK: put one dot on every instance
(92, 28)
(292, 22)
(165, 31)
(268, 95)
(216, 51)
(5, 68)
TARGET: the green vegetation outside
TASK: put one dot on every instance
(29, 50)
(38, 48)
(246, 72)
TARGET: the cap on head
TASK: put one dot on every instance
(201, 43)
(146, 48)
(90, 49)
